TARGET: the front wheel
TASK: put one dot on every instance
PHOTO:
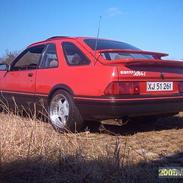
(63, 113)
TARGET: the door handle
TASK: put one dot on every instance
(30, 74)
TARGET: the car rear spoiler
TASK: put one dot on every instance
(156, 61)
(156, 55)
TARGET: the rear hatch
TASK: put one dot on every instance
(154, 75)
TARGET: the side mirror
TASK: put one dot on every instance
(4, 67)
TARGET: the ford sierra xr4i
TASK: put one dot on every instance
(76, 79)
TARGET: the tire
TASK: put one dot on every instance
(63, 113)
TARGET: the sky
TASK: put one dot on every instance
(155, 25)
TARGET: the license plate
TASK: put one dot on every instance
(159, 86)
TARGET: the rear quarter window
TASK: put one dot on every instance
(73, 55)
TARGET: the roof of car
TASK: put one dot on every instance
(62, 37)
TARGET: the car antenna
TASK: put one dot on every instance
(96, 43)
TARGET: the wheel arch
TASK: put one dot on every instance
(60, 87)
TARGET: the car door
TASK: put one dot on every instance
(19, 83)
(48, 73)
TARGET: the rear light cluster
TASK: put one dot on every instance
(122, 88)
(181, 87)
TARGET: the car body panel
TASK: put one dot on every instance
(87, 83)
(21, 81)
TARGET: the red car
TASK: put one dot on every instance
(79, 79)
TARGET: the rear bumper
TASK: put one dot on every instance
(111, 108)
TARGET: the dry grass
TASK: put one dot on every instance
(31, 151)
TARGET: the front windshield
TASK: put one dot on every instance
(103, 44)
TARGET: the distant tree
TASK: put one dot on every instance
(9, 56)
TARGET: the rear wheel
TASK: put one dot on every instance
(63, 113)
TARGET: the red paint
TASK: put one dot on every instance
(93, 79)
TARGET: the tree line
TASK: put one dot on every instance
(9, 56)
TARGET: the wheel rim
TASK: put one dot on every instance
(59, 111)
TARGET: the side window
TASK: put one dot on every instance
(29, 59)
(50, 59)
(74, 55)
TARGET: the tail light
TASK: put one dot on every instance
(181, 87)
(123, 88)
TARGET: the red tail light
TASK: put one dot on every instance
(122, 88)
(181, 87)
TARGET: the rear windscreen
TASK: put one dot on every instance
(119, 55)
(102, 44)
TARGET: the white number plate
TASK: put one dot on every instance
(159, 86)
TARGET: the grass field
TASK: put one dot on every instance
(31, 151)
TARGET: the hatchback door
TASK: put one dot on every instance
(151, 74)
(154, 77)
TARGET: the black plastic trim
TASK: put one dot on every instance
(101, 110)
